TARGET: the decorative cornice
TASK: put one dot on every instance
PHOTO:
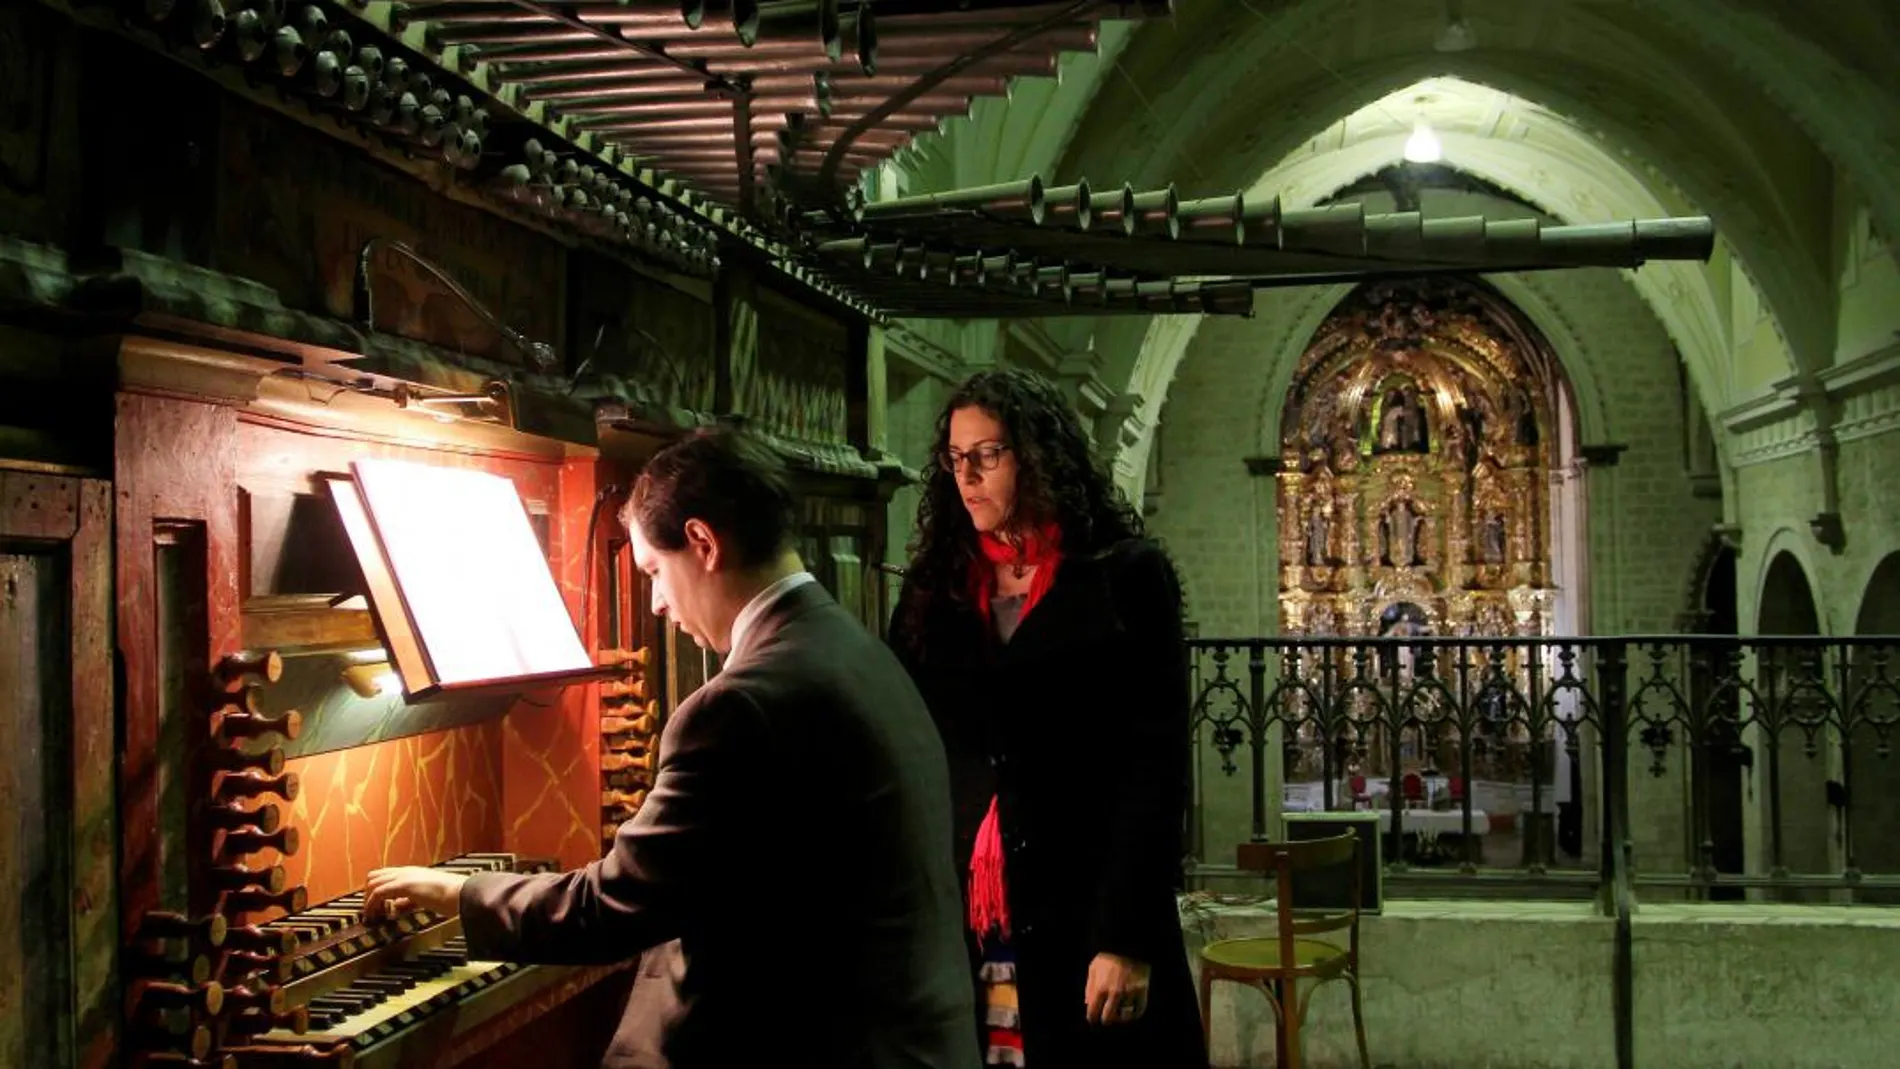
(1092, 397)
(1858, 399)
(1035, 340)
(1120, 425)
(1866, 394)
(904, 343)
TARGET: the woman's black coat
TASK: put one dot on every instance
(1079, 725)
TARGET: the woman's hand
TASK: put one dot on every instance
(1117, 989)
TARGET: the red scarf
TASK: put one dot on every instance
(1041, 549)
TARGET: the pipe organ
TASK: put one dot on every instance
(270, 759)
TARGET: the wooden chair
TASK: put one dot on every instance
(1361, 798)
(1279, 964)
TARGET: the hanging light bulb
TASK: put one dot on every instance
(1422, 146)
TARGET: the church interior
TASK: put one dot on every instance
(1513, 385)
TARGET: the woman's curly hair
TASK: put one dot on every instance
(1058, 480)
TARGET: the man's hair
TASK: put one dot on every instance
(723, 478)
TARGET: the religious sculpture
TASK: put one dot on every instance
(1400, 525)
(1319, 517)
(1521, 416)
(1491, 539)
(1490, 506)
(1318, 527)
(1398, 535)
(1401, 424)
(1454, 449)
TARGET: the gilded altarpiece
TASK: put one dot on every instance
(1415, 462)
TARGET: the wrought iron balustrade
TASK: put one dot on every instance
(1767, 760)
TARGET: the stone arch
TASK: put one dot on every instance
(1873, 790)
(1710, 603)
(1786, 603)
(1879, 612)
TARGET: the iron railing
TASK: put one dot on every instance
(1710, 764)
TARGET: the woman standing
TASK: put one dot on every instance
(1045, 632)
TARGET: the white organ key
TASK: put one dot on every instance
(427, 996)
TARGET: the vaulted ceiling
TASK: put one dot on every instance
(1775, 117)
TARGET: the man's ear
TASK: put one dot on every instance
(703, 543)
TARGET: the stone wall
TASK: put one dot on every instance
(1781, 486)
(1529, 985)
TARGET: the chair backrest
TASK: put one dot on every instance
(1282, 860)
(1358, 785)
(1456, 785)
(1413, 785)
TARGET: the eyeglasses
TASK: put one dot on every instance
(985, 457)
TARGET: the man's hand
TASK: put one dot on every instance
(391, 891)
(1117, 989)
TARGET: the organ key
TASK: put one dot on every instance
(379, 992)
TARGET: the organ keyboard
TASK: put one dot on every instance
(377, 993)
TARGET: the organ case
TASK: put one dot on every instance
(269, 763)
